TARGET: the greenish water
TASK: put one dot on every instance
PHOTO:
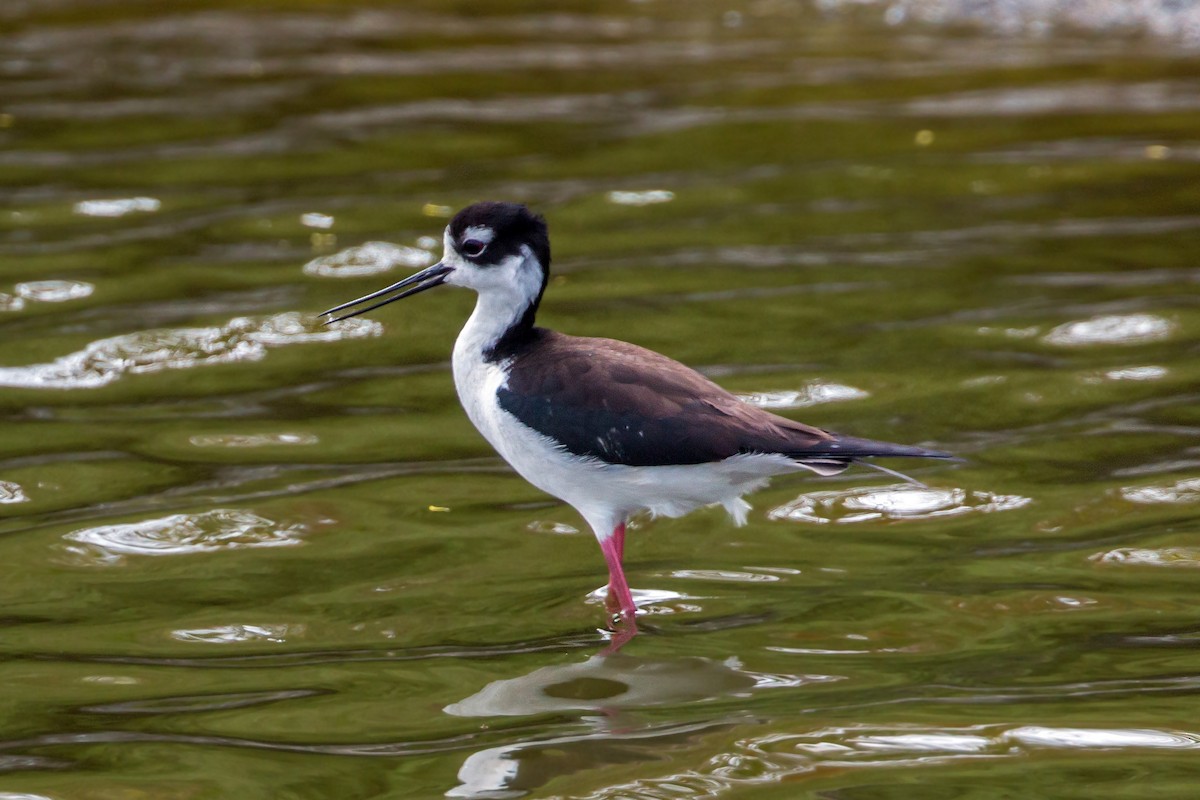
(245, 556)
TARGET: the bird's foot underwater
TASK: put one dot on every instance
(618, 615)
(621, 630)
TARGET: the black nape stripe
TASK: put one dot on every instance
(514, 227)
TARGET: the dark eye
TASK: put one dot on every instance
(473, 248)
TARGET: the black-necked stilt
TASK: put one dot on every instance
(609, 427)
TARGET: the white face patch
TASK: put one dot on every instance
(480, 233)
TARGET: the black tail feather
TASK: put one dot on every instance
(853, 448)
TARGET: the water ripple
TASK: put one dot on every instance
(772, 758)
(550, 526)
(1186, 490)
(811, 394)
(895, 502)
(1111, 329)
(241, 339)
(178, 534)
(1165, 19)
(47, 291)
(1188, 557)
(1145, 98)
(1149, 372)
(230, 634)
(653, 602)
(53, 291)
(371, 258)
(11, 492)
(117, 207)
(253, 439)
(199, 703)
(724, 575)
(645, 198)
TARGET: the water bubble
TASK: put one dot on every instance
(371, 258)
(899, 501)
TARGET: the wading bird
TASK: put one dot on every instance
(606, 426)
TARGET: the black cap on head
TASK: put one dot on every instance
(513, 224)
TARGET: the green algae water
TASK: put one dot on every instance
(245, 555)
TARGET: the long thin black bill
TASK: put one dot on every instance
(420, 281)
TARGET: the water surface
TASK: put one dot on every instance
(248, 556)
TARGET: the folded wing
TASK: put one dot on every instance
(623, 404)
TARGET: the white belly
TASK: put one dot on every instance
(605, 494)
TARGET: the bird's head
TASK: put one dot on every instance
(500, 249)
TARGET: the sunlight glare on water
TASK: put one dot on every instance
(180, 534)
(901, 501)
(242, 339)
(371, 258)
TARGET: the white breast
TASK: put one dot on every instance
(605, 494)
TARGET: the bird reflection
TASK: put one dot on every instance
(607, 688)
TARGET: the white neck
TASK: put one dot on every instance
(506, 291)
(475, 377)
(495, 312)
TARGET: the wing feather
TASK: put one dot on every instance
(624, 404)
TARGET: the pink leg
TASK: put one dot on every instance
(619, 597)
(618, 536)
